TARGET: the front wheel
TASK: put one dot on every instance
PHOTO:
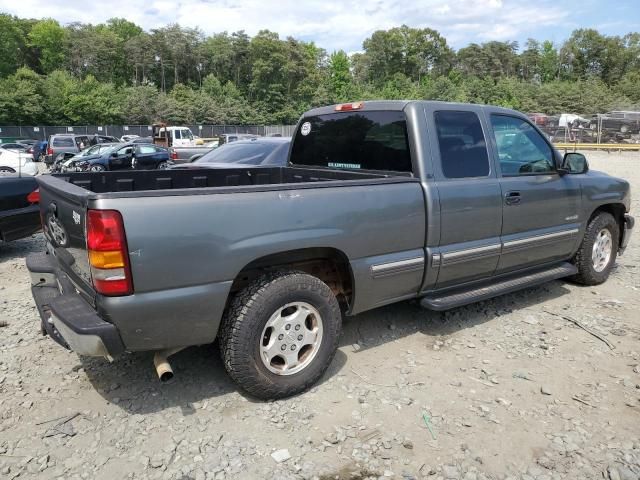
(280, 334)
(598, 250)
(97, 168)
(7, 171)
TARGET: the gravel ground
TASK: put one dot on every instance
(504, 389)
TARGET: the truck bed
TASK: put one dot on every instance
(205, 178)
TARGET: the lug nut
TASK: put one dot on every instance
(280, 337)
(297, 327)
(287, 327)
(300, 337)
(283, 347)
(293, 347)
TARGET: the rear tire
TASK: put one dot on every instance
(598, 250)
(7, 171)
(163, 165)
(273, 314)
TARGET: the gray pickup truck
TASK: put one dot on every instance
(380, 202)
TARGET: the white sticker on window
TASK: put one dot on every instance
(306, 129)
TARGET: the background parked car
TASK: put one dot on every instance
(264, 151)
(619, 121)
(189, 154)
(95, 151)
(19, 211)
(142, 140)
(65, 143)
(127, 156)
(128, 138)
(15, 162)
(39, 150)
(105, 139)
(18, 147)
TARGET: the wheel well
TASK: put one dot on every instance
(328, 264)
(615, 209)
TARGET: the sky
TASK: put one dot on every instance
(344, 24)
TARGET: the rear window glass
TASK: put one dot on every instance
(63, 142)
(463, 150)
(375, 140)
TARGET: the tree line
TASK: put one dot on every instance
(116, 72)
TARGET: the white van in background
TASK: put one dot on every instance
(179, 136)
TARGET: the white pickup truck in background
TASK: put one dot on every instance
(179, 136)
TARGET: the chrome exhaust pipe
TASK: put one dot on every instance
(161, 362)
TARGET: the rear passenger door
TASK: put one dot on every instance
(469, 195)
(146, 157)
(540, 216)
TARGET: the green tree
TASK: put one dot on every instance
(410, 51)
(13, 44)
(339, 76)
(49, 38)
(21, 101)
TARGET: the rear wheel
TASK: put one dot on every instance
(163, 165)
(6, 171)
(598, 250)
(280, 334)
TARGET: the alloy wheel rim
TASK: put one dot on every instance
(602, 249)
(291, 338)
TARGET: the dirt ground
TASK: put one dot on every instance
(504, 389)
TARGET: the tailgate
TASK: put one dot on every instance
(63, 207)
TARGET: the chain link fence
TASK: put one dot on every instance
(203, 131)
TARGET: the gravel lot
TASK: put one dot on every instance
(504, 389)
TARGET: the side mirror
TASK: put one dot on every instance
(129, 151)
(114, 154)
(574, 162)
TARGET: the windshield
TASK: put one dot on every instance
(246, 153)
(371, 140)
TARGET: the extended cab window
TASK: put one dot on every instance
(521, 148)
(463, 150)
(375, 140)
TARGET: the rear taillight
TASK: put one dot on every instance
(49, 151)
(108, 254)
(173, 155)
(30, 150)
(34, 197)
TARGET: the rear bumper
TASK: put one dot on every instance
(65, 316)
(19, 223)
(627, 228)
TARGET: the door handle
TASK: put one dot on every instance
(512, 198)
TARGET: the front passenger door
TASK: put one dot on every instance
(122, 160)
(540, 208)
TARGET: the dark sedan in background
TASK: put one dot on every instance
(19, 212)
(261, 151)
(124, 156)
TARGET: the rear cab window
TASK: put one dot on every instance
(362, 140)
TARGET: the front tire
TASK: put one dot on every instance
(280, 334)
(598, 250)
(97, 168)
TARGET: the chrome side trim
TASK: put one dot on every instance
(399, 266)
(542, 239)
(467, 254)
